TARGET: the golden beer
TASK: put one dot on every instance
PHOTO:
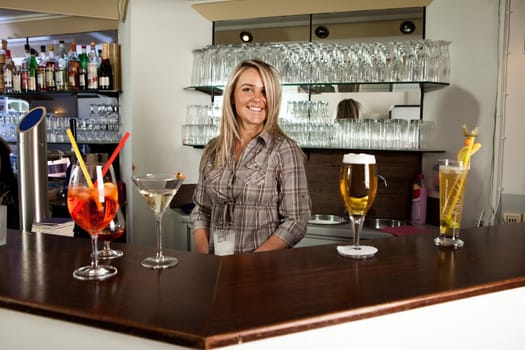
(358, 187)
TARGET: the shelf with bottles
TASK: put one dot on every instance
(41, 73)
(49, 95)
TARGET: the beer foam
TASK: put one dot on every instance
(451, 169)
(359, 158)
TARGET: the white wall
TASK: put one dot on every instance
(472, 26)
(513, 120)
(157, 40)
(496, 182)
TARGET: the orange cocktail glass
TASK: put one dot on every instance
(92, 204)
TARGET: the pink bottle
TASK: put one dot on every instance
(419, 201)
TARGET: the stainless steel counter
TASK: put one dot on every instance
(345, 231)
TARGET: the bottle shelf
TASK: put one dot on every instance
(48, 95)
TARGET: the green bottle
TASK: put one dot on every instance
(83, 72)
(32, 68)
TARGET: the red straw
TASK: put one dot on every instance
(115, 153)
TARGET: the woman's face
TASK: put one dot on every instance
(250, 99)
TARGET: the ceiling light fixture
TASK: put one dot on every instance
(322, 32)
(407, 27)
(246, 37)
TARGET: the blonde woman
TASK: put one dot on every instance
(252, 194)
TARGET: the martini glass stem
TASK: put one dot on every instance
(158, 220)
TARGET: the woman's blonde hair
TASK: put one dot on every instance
(220, 150)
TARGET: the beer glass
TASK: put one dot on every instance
(358, 187)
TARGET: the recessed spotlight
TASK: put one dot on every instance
(246, 37)
(407, 27)
(322, 32)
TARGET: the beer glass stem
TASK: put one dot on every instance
(357, 225)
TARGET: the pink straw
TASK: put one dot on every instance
(115, 153)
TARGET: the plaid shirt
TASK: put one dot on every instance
(265, 194)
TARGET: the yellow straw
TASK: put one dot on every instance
(459, 186)
(79, 157)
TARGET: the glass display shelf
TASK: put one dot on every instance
(313, 148)
(48, 95)
(328, 87)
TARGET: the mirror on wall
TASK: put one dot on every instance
(365, 26)
(262, 30)
(394, 24)
(377, 100)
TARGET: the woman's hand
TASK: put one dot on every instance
(201, 238)
(273, 243)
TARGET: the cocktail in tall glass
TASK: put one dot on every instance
(452, 181)
(158, 190)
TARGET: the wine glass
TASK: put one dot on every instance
(112, 232)
(358, 187)
(92, 201)
(158, 190)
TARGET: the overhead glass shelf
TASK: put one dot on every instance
(318, 88)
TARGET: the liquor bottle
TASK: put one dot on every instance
(9, 71)
(83, 70)
(93, 65)
(17, 79)
(51, 67)
(24, 71)
(3, 51)
(61, 76)
(114, 58)
(73, 68)
(94, 54)
(419, 201)
(41, 69)
(32, 67)
(105, 73)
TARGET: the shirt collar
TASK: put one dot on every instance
(265, 137)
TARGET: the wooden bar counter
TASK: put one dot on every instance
(209, 301)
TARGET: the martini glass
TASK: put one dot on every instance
(358, 187)
(158, 190)
(92, 201)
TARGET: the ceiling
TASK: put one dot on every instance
(10, 16)
(221, 10)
